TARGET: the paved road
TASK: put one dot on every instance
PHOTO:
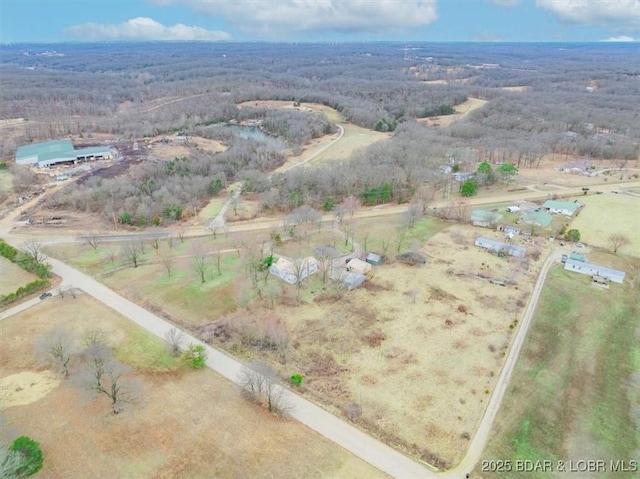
(364, 446)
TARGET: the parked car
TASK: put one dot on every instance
(513, 209)
(45, 295)
(564, 258)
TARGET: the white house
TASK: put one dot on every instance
(355, 265)
(594, 270)
(498, 247)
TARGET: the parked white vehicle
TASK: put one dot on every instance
(513, 209)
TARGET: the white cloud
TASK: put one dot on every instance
(143, 28)
(621, 38)
(616, 14)
(271, 18)
(506, 3)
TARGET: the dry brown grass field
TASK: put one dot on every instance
(604, 215)
(418, 349)
(12, 276)
(187, 424)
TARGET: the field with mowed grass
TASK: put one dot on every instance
(12, 276)
(186, 424)
(607, 214)
(575, 392)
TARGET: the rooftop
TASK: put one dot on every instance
(56, 147)
(572, 206)
(538, 217)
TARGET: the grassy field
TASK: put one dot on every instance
(6, 184)
(212, 209)
(188, 424)
(604, 215)
(575, 390)
(12, 276)
(355, 138)
(416, 351)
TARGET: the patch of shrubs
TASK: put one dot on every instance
(32, 287)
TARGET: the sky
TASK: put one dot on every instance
(48, 21)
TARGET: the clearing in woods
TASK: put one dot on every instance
(354, 138)
(607, 214)
(576, 387)
(462, 110)
(188, 423)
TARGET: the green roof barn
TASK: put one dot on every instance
(50, 153)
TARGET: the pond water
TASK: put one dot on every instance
(250, 133)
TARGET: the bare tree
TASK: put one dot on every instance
(103, 375)
(413, 214)
(260, 383)
(174, 338)
(181, 234)
(55, 348)
(618, 240)
(33, 249)
(351, 204)
(93, 336)
(92, 239)
(154, 241)
(168, 261)
(10, 462)
(217, 258)
(200, 264)
(133, 252)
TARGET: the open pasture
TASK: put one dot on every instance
(607, 214)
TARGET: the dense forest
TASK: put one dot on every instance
(573, 99)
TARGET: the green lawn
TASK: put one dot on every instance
(575, 393)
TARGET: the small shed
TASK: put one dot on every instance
(485, 218)
(355, 265)
(374, 258)
(352, 280)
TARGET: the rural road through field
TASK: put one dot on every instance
(352, 439)
(333, 428)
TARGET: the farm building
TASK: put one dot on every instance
(374, 259)
(355, 265)
(577, 257)
(294, 271)
(595, 270)
(50, 153)
(537, 218)
(499, 247)
(484, 218)
(567, 208)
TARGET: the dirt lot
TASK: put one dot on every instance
(607, 214)
(417, 351)
(12, 276)
(188, 424)
(168, 148)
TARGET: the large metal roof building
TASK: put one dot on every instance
(50, 153)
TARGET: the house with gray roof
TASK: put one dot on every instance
(595, 270)
(500, 247)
